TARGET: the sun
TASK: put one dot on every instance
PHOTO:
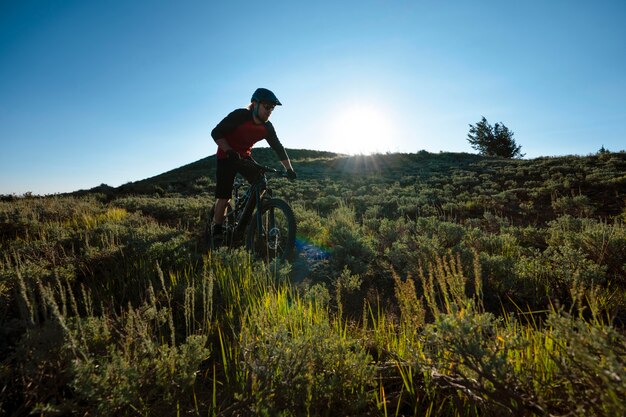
(361, 129)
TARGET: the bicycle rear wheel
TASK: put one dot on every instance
(277, 237)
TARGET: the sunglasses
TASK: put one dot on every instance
(268, 107)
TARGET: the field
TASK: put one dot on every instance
(425, 285)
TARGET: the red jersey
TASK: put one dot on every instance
(241, 133)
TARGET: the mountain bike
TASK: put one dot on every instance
(269, 231)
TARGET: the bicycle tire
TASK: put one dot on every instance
(278, 236)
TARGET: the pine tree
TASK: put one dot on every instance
(493, 141)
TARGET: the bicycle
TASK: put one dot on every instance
(272, 234)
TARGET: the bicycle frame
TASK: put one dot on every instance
(266, 224)
(243, 211)
(258, 190)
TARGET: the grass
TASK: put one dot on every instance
(116, 307)
(251, 344)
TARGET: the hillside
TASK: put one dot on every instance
(424, 284)
(311, 165)
(456, 185)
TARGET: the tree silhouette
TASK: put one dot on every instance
(493, 141)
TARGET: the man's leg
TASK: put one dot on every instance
(220, 210)
(217, 229)
(225, 176)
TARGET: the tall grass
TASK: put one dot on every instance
(469, 362)
(106, 311)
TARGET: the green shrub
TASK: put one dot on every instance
(299, 363)
(600, 242)
(579, 206)
(592, 366)
(311, 226)
(350, 245)
(134, 372)
(173, 211)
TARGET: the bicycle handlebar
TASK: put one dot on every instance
(262, 168)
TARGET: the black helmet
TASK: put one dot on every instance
(263, 94)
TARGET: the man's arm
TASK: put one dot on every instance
(275, 144)
(287, 164)
(228, 124)
(223, 144)
(278, 147)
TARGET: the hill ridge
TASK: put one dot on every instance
(460, 182)
(309, 164)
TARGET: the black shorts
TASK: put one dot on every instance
(225, 177)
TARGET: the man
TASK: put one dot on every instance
(235, 135)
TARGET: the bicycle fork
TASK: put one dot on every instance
(268, 232)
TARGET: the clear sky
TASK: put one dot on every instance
(115, 91)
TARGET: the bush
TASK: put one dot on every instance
(134, 372)
(300, 364)
(350, 245)
(311, 227)
(591, 365)
(599, 242)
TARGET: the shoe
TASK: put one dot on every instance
(217, 235)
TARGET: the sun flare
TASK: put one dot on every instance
(361, 129)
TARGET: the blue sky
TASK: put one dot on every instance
(109, 92)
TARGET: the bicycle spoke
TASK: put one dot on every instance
(276, 238)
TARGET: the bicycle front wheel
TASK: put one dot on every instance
(277, 237)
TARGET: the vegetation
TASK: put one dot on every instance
(426, 284)
(493, 141)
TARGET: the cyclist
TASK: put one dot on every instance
(235, 135)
